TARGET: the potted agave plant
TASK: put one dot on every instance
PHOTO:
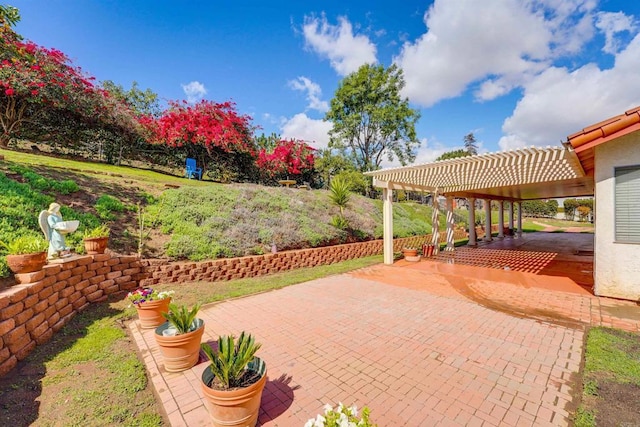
(179, 337)
(150, 305)
(26, 254)
(232, 384)
(96, 239)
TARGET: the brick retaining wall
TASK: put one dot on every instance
(162, 271)
(43, 302)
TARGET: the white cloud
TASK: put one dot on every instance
(194, 91)
(560, 102)
(345, 51)
(499, 45)
(315, 132)
(313, 91)
(610, 24)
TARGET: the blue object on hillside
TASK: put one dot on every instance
(192, 170)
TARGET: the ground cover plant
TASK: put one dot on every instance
(89, 373)
(611, 382)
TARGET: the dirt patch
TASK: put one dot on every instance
(616, 404)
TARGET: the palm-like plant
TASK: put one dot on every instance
(340, 193)
(231, 360)
(181, 318)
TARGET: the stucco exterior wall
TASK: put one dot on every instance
(617, 265)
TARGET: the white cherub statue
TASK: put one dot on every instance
(54, 229)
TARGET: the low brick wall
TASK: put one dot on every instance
(162, 271)
(44, 301)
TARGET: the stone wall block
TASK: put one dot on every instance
(30, 277)
(106, 284)
(84, 260)
(11, 311)
(88, 274)
(103, 271)
(23, 316)
(34, 322)
(113, 274)
(79, 270)
(6, 326)
(97, 279)
(8, 365)
(52, 269)
(63, 275)
(58, 286)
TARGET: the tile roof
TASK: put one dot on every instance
(586, 140)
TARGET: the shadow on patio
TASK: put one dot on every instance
(566, 257)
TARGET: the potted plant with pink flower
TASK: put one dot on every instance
(150, 305)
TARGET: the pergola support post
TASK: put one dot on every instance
(387, 224)
(487, 220)
(511, 217)
(472, 222)
(450, 224)
(519, 219)
(435, 225)
(501, 219)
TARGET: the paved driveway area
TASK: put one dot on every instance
(414, 348)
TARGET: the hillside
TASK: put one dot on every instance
(184, 219)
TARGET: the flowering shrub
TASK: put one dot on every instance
(43, 94)
(289, 157)
(341, 416)
(147, 294)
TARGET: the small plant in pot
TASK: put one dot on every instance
(233, 382)
(96, 239)
(179, 337)
(150, 304)
(26, 254)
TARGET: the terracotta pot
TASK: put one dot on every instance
(428, 250)
(150, 313)
(409, 252)
(229, 408)
(96, 245)
(27, 263)
(179, 352)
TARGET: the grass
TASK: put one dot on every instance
(207, 292)
(611, 378)
(89, 373)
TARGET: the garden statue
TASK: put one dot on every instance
(54, 229)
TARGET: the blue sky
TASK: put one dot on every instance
(516, 73)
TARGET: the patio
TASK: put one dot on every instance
(423, 344)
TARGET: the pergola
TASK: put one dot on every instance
(513, 176)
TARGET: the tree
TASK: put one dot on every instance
(470, 144)
(213, 133)
(44, 97)
(371, 120)
(141, 102)
(329, 162)
(453, 154)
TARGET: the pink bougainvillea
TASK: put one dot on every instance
(209, 124)
(289, 157)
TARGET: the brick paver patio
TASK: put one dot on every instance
(420, 347)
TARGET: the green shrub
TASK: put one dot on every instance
(106, 205)
(28, 244)
(99, 231)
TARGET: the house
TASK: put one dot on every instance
(602, 160)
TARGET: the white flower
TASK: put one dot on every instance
(327, 408)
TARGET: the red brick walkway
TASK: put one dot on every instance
(420, 348)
